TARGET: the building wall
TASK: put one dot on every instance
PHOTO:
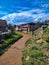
(3, 25)
(29, 27)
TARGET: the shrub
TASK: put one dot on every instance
(46, 37)
(7, 42)
(8, 35)
(1, 51)
(36, 53)
(30, 63)
(38, 62)
(46, 45)
(46, 30)
(41, 44)
(24, 54)
(33, 62)
(29, 41)
(34, 48)
(38, 38)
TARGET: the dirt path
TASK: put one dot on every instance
(14, 54)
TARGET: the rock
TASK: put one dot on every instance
(27, 58)
(48, 59)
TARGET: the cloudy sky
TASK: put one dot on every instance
(22, 11)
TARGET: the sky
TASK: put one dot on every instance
(22, 11)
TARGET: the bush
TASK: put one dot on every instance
(33, 62)
(25, 53)
(41, 44)
(8, 35)
(38, 62)
(38, 38)
(29, 63)
(29, 41)
(46, 45)
(36, 54)
(1, 52)
(45, 37)
(7, 42)
(46, 30)
(34, 48)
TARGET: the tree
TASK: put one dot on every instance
(14, 26)
(0, 36)
(11, 28)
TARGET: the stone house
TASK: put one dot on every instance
(3, 29)
(45, 24)
(3, 26)
(28, 27)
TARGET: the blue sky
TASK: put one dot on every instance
(22, 11)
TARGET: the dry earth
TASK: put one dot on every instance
(14, 54)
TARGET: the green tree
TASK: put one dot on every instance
(11, 28)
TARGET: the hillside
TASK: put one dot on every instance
(36, 50)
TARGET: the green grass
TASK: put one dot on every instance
(35, 32)
(34, 48)
(46, 46)
(36, 53)
(46, 30)
(8, 42)
(29, 41)
(25, 53)
(38, 38)
(38, 62)
(34, 62)
(36, 57)
(41, 44)
(45, 37)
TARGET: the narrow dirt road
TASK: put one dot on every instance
(14, 54)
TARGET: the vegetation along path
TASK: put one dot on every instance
(14, 54)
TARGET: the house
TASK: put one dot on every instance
(45, 24)
(3, 29)
(28, 27)
(3, 26)
(25, 27)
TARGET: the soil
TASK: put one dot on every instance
(14, 54)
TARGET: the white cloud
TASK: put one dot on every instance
(26, 16)
(45, 5)
(42, 17)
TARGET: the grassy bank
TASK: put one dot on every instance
(9, 40)
(36, 50)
